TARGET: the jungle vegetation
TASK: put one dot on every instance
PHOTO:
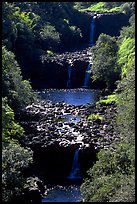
(31, 29)
(112, 178)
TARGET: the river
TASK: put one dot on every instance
(70, 190)
(76, 97)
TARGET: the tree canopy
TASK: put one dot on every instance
(112, 178)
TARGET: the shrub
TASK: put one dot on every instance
(114, 167)
(104, 65)
(49, 36)
(14, 160)
(11, 130)
(95, 117)
(108, 99)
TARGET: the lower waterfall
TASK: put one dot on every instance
(75, 170)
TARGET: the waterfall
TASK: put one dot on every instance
(69, 85)
(75, 170)
(92, 27)
(87, 77)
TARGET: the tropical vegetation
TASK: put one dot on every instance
(112, 178)
(31, 29)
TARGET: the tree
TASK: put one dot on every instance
(10, 129)
(17, 90)
(14, 160)
(49, 36)
(104, 66)
(9, 31)
(112, 178)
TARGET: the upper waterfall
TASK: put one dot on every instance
(92, 29)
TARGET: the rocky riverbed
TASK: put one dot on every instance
(55, 130)
(44, 124)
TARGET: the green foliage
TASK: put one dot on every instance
(104, 66)
(113, 168)
(49, 52)
(128, 8)
(14, 160)
(26, 19)
(108, 99)
(104, 7)
(10, 129)
(50, 36)
(127, 191)
(9, 31)
(126, 87)
(126, 43)
(126, 107)
(17, 90)
(112, 178)
(82, 5)
(118, 159)
(125, 54)
(116, 9)
(95, 117)
(41, 25)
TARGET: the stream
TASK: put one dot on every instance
(68, 191)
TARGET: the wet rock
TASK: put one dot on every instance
(46, 132)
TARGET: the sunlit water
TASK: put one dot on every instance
(76, 97)
(64, 194)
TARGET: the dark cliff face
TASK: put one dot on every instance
(54, 163)
(54, 75)
(110, 24)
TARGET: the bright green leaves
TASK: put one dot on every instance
(26, 19)
(95, 117)
(125, 54)
(10, 129)
(108, 99)
(104, 7)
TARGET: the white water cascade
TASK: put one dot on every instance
(75, 170)
(87, 77)
(92, 28)
(69, 85)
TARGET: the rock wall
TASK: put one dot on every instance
(109, 23)
(54, 71)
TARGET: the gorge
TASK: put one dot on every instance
(72, 144)
(68, 102)
(53, 71)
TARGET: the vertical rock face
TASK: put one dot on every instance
(54, 75)
(110, 24)
(55, 162)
